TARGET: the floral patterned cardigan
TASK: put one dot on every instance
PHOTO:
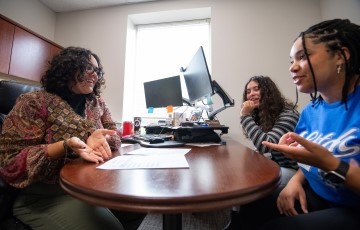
(41, 118)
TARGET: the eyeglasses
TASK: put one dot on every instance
(90, 69)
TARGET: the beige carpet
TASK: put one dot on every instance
(215, 220)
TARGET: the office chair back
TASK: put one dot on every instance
(9, 92)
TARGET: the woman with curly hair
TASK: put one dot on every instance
(49, 128)
(266, 115)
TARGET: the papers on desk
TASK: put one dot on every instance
(149, 158)
(202, 144)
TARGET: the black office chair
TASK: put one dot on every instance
(9, 92)
(7, 220)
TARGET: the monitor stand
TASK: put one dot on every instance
(200, 135)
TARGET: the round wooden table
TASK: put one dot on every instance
(218, 177)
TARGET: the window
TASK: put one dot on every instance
(161, 49)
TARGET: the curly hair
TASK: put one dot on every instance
(70, 65)
(336, 34)
(272, 102)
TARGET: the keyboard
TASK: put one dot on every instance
(148, 137)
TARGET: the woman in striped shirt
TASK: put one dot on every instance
(266, 115)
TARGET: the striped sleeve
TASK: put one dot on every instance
(285, 123)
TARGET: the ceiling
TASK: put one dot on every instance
(60, 6)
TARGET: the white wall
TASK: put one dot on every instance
(341, 9)
(249, 37)
(32, 14)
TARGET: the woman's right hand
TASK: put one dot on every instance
(286, 201)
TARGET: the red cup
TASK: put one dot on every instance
(127, 128)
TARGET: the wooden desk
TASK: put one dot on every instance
(218, 177)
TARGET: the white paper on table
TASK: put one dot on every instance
(202, 144)
(149, 158)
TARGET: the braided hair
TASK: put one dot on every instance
(336, 34)
(272, 102)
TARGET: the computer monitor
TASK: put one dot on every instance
(163, 92)
(197, 77)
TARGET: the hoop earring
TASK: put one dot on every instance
(338, 69)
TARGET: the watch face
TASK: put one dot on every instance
(332, 179)
(337, 177)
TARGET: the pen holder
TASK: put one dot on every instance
(137, 125)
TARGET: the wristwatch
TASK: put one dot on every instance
(338, 176)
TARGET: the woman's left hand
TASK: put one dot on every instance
(83, 150)
(246, 108)
(304, 151)
(97, 141)
(90, 155)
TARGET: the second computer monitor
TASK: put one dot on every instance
(197, 77)
(163, 92)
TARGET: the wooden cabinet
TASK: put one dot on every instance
(6, 38)
(28, 53)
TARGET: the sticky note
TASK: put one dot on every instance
(169, 108)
